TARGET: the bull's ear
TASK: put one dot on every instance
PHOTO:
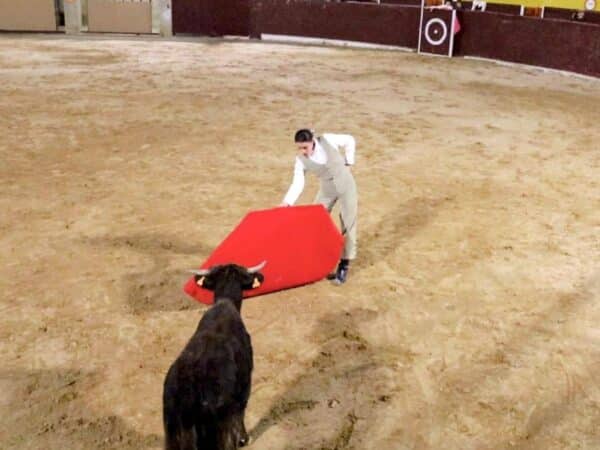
(205, 282)
(257, 280)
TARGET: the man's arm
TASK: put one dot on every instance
(297, 185)
(345, 141)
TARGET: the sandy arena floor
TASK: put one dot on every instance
(471, 318)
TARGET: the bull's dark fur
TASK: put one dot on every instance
(207, 388)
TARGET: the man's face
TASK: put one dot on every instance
(305, 148)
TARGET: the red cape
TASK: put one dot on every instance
(300, 244)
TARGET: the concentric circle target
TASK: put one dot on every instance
(436, 31)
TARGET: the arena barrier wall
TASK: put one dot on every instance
(211, 17)
(501, 33)
(111, 16)
(362, 22)
(567, 14)
(27, 15)
(556, 44)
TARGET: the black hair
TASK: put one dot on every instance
(303, 135)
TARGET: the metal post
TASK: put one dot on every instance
(73, 16)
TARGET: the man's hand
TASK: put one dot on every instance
(283, 204)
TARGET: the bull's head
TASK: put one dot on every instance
(247, 278)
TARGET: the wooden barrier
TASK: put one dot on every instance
(110, 16)
(555, 44)
(211, 17)
(27, 15)
(571, 15)
(360, 22)
(507, 36)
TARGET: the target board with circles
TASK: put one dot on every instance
(437, 31)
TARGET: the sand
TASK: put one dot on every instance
(471, 316)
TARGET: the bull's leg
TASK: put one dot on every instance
(180, 439)
(232, 432)
(176, 436)
(171, 442)
(187, 439)
(227, 434)
(243, 437)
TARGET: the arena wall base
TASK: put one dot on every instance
(332, 42)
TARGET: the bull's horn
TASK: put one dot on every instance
(257, 268)
(201, 272)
